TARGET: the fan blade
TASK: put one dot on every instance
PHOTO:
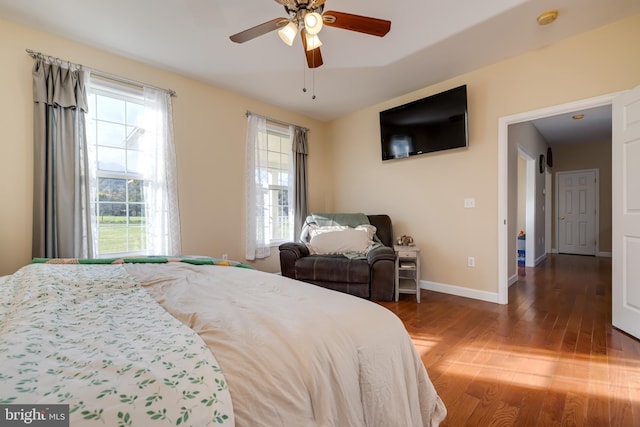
(314, 57)
(361, 24)
(258, 30)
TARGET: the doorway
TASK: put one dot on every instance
(503, 199)
(526, 204)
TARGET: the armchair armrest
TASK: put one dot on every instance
(381, 253)
(382, 264)
(299, 249)
(289, 253)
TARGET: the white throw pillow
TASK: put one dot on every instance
(340, 239)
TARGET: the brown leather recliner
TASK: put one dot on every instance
(371, 278)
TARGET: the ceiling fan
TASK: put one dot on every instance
(307, 17)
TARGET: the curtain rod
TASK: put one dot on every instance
(280, 122)
(108, 76)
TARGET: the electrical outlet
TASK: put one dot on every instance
(225, 256)
(470, 203)
(471, 261)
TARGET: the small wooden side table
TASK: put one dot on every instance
(407, 271)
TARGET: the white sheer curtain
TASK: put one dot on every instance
(257, 181)
(161, 187)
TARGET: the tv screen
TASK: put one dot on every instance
(435, 123)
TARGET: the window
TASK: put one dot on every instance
(269, 186)
(278, 153)
(126, 136)
(114, 129)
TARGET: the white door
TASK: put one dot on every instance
(626, 212)
(577, 212)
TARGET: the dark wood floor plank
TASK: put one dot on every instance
(552, 409)
(548, 358)
(575, 409)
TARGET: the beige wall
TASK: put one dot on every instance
(209, 127)
(424, 195)
(596, 155)
(524, 136)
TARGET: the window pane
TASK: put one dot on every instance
(111, 190)
(112, 228)
(137, 238)
(137, 227)
(112, 213)
(137, 214)
(112, 239)
(134, 137)
(135, 190)
(273, 143)
(110, 109)
(135, 162)
(279, 214)
(111, 135)
(111, 159)
(284, 179)
(274, 159)
(135, 114)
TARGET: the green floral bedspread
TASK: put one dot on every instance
(195, 260)
(90, 336)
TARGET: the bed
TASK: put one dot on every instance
(199, 341)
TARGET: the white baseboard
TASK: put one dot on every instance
(459, 291)
(538, 260)
(599, 253)
(513, 279)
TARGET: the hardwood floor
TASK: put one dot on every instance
(549, 357)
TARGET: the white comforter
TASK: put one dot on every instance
(295, 354)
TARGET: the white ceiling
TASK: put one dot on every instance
(595, 126)
(429, 41)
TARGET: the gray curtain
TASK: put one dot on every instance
(300, 151)
(61, 220)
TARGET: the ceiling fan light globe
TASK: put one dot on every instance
(313, 23)
(288, 33)
(313, 41)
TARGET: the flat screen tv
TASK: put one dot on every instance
(434, 123)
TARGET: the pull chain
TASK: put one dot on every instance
(313, 83)
(313, 78)
(304, 76)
